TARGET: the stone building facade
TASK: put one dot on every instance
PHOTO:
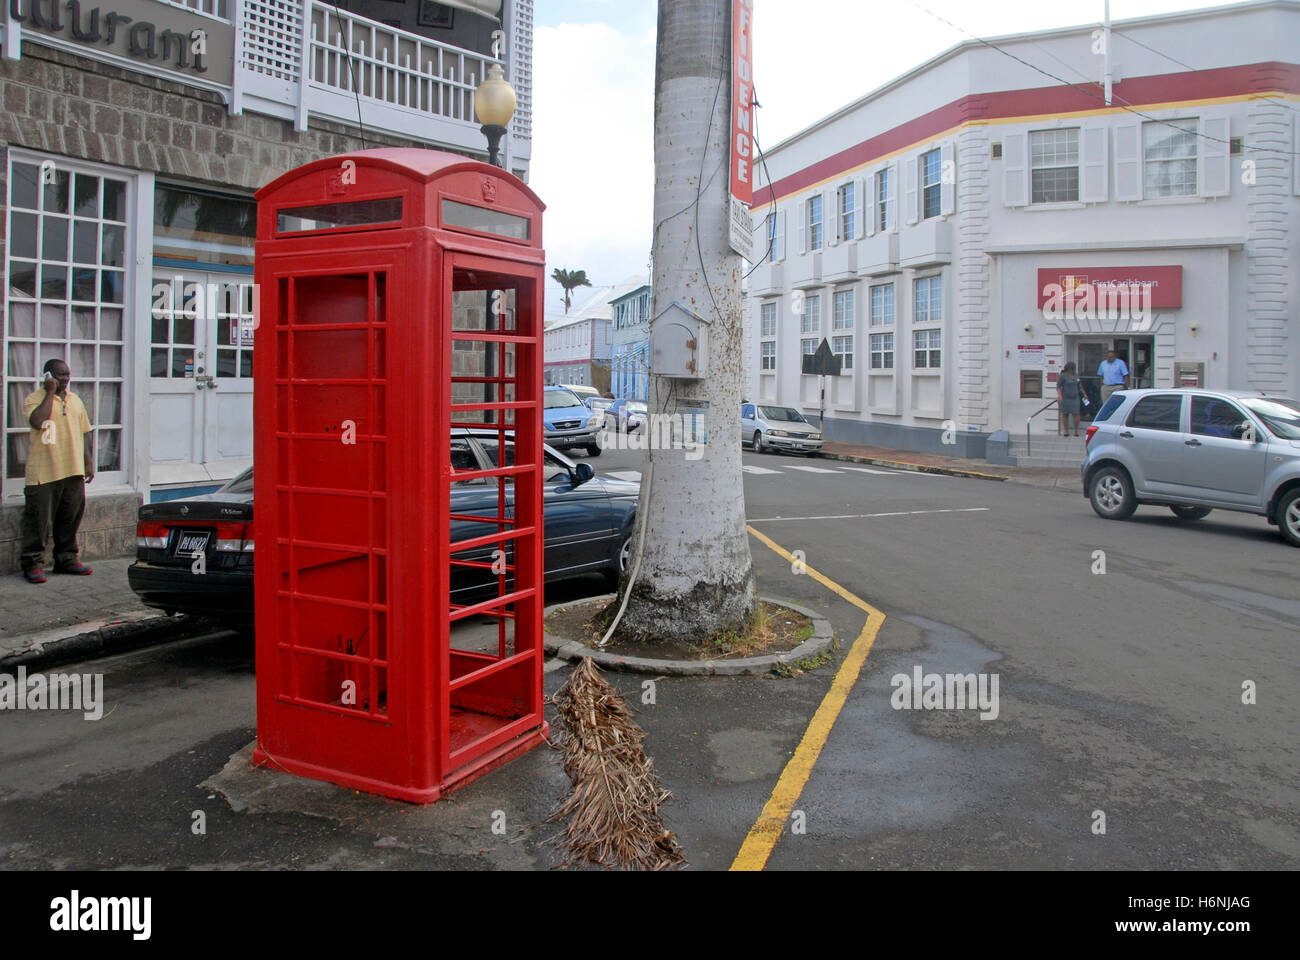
(126, 190)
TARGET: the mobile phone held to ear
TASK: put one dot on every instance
(47, 378)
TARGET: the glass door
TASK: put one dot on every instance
(201, 375)
(1088, 355)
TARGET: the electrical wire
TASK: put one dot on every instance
(762, 157)
(1161, 53)
(1124, 105)
(347, 54)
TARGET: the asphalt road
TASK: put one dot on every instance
(1118, 692)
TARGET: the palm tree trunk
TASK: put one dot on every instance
(696, 574)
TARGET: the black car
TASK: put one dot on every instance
(588, 529)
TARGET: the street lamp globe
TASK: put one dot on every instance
(494, 105)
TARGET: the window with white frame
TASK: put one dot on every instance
(810, 321)
(843, 314)
(927, 300)
(882, 351)
(814, 223)
(931, 184)
(884, 199)
(848, 211)
(1054, 165)
(842, 347)
(926, 354)
(882, 305)
(65, 298)
(767, 335)
(808, 347)
(1169, 158)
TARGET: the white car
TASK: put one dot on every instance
(769, 427)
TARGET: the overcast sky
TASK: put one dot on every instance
(593, 96)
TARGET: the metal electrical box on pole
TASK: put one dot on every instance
(679, 343)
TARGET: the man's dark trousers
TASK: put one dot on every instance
(59, 504)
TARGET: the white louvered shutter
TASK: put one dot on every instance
(802, 211)
(1094, 164)
(911, 207)
(1015, 169)
(860, 206)
(1128, 161)
(778, 252)
(892, 212)
(831, 217)
(1213, 168)
(948, 179)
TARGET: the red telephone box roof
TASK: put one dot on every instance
(412, 162)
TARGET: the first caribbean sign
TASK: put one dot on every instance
(742, 126)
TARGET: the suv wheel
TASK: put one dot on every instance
(1288, 517)
(1111, 494)
(758, 442)
(593, 450)
(1191, 513)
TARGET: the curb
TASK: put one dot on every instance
(571, 650)
(111, 638)
(915, 467)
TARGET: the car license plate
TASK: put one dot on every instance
(191, 542)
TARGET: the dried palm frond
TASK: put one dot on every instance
(613, 813)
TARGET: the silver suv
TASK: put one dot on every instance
(1193, 451)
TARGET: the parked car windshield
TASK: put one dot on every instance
(1282, 417)
(561, 398)
(788, 414)
(241, 484)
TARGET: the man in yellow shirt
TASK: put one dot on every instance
(60, 462)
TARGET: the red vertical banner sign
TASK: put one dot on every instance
(741, 231)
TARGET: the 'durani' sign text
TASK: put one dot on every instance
(135, 37)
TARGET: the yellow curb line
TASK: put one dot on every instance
(769, 826)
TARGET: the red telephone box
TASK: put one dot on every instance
(399, 342)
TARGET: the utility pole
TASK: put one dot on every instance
(695, 575)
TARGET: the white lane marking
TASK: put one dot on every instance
(757, 470)
(794, 466)
(629, 475)
(883, 473)
(867, 516)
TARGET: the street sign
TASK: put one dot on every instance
(740, 226)
(823, 362)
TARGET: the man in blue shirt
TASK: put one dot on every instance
(1114, 375)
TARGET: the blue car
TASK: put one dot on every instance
(587, 529)
(570, 422)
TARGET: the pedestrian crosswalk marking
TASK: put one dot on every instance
(757, 470)
(883, 473)
(811, 469)
(630, 475)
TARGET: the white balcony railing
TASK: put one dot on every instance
(298, 59)
(304, 58)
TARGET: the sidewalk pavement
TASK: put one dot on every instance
(1062, 478)
(76, 617)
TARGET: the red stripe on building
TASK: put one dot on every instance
(1037, 101)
